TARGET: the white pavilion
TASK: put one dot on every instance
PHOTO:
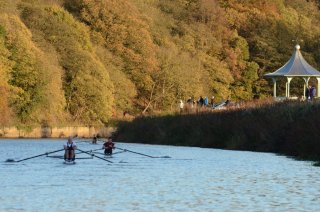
(297, 66)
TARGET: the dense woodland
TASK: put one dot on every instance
(82, 62)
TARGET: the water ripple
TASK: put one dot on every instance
(193, 179)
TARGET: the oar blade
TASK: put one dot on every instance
(47, 153)
(138, 153)
(93, 155)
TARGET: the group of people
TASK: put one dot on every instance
(311, 92)
(70, 146)
(202, 102)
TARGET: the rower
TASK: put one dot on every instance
(108, 146)
(94, 139)
(69, 147)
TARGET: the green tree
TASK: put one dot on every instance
(179, 77)
(5, 68)
(86, 83)
(126, 35)
(125, 91)
(27, 75)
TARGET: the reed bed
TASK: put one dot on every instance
(289, 128)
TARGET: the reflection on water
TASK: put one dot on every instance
(193, 179)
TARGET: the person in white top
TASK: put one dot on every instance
(69, 147)
(181, 106)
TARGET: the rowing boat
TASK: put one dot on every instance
(69, 162)
(91, 153)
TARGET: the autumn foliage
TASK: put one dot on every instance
(86, 61)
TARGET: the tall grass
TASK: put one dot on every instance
(290, 128)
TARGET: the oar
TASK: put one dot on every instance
(82, 141)
(84, 158)
(88, 141)
(93, 155)
(118, 152)
(47, 153)
(91, 150)
(135, 152)
(62, 157)
(111, 154)
(55, 156)
(98, 153)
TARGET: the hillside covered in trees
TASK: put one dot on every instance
(84, 61)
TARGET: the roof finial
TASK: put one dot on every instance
(297, 47)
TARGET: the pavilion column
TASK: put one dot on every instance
(318, 86)
(288, 86)
(306, 80)
(275, 87)
(297, 66)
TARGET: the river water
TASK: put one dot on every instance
(193, 179)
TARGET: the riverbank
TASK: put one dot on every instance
(55, 132)
(289, 128)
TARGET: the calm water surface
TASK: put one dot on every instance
(193, 179)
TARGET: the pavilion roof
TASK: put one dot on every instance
(296, 66)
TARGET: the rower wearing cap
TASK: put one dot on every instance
(69, 147)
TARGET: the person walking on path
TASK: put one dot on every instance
(313, 92)
(201, 101)
(181, 106)
(205, 101)
(212, 102)
(308, 92)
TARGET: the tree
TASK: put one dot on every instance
(5, 68)
(27, 76)
(86, 83)
(127, 36)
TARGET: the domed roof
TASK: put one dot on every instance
(296, 66)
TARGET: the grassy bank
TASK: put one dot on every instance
(289, 128)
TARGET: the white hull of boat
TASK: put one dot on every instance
(69, 162)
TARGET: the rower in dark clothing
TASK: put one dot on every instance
(94, 140)
(108, 146)
(69, 147)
